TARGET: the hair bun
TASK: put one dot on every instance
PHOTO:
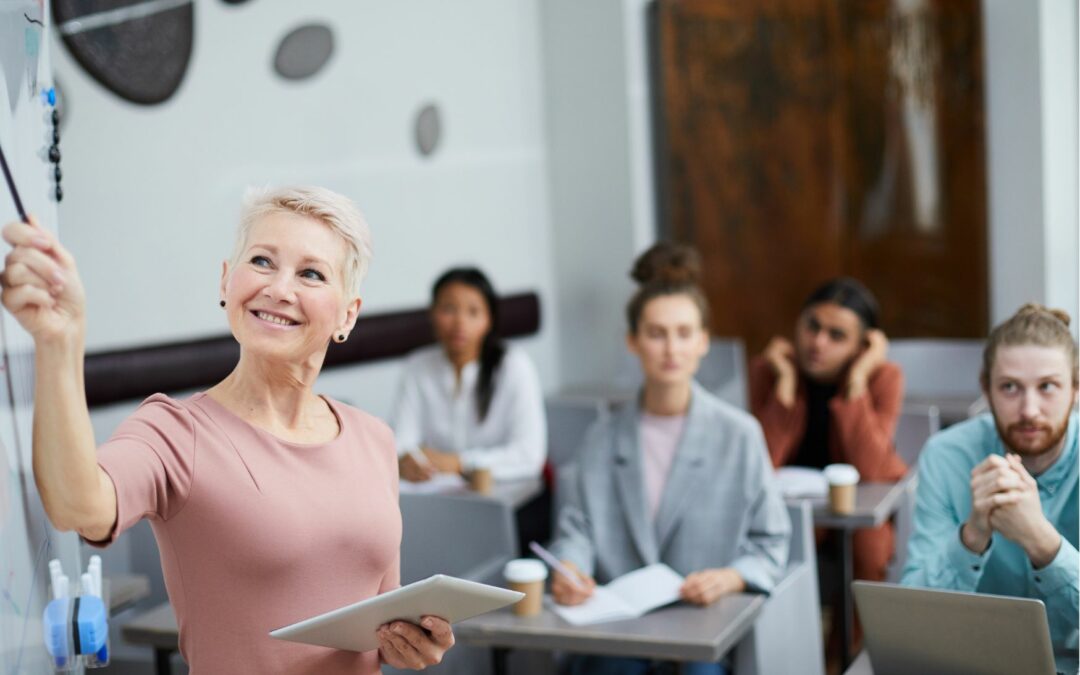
(668, 263)
(1063, 315)
(1035, 308)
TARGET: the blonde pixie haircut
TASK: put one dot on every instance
(336, 211)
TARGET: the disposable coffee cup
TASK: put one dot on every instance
(526, 575)
(480, 480)
(843, 480)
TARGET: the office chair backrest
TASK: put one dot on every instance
(936, 367)
(916, 425)
(568, 418)
(786, 637)
(465, 536)
(803, 546)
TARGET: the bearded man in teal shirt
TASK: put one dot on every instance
(996, 508)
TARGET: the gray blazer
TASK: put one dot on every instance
(720, 507)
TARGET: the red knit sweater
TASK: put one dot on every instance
(860, 431)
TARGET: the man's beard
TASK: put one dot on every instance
(1053, 435)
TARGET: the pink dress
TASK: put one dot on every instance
(256, 532)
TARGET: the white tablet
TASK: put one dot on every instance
(353, 627)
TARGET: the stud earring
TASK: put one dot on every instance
(340, 338)
(222, 303)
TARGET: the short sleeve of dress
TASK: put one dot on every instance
(151, 461)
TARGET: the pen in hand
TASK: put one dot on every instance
(415, 466)
(554, 564)
(420, 458)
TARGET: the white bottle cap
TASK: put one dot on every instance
(525, 570)
(841, 474)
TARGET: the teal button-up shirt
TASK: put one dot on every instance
(938, 559)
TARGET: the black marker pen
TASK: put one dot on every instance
(11, 188)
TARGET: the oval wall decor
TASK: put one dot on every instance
(304, 51)
(428, 129)
(137, 49)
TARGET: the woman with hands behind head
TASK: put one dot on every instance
(833, 397)
(677, 477)
(269, 503)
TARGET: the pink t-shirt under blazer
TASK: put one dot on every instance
(659, 442)
(256, 532)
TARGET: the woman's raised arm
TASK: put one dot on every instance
(41, 288)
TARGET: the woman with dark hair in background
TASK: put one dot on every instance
(469, 400)
(832, 397)
(677, 477)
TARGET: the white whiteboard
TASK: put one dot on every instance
(27, 542)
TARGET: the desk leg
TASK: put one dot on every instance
(498, 660)
(162, 661)
(847, 609)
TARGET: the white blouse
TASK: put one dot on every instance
(512, 439)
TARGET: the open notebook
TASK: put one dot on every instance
(628, 597)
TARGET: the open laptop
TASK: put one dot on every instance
(916, 630)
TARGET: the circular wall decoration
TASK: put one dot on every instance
(304, 51)
(137, 49)
(428, 129)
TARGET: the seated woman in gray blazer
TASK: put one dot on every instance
(678, 477)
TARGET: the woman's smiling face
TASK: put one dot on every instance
(284, 295)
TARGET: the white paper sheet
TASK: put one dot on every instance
(800, 481)
(439, 483)
(602, 606)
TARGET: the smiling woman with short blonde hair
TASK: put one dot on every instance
(336, 211)
(269, 503)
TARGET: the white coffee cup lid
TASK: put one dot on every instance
(841, 474)
(524, 570)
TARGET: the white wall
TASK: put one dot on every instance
(1059, 59)
(152, 192)
(600, 172)
(1031, 99)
